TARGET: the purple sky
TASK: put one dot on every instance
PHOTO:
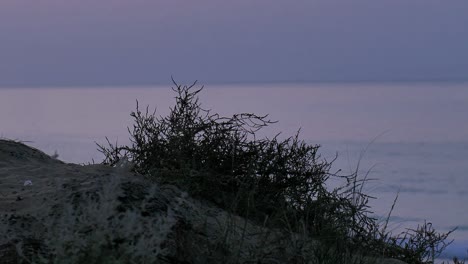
(131, 42)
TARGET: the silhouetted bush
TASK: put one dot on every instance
(278, 183)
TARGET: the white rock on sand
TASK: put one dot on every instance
(186, 230)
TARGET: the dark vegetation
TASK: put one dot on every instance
(276, 183)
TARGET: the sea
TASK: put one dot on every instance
(410, 140)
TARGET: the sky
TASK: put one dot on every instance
(144, 42)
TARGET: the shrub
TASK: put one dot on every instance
(279, 183)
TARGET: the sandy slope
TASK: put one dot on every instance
(193, 230)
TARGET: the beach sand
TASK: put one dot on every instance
(36, 190)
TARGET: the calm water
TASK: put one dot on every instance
(419, 134)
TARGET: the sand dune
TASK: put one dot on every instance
(46, 202)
